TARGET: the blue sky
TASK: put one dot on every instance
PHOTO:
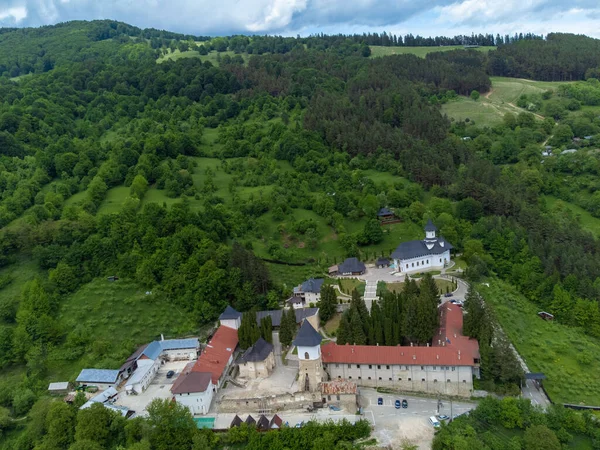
(291, 17)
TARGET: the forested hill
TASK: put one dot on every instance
(560, 57)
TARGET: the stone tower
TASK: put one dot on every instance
(310, 373)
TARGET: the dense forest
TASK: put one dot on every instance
(224, 173)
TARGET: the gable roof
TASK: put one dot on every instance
(382, 261)
(236, 422)
(230, 313)
(294, 300)
(250, 420)
(177, 344)
(152, 350)
(276, 422)
(414, 249)
(263, 423)
(351, 265)
(385, 212)
(276, 314)
(429, 226)
(216, 355)
(190, 382)
(258, 352)
(312, 285)
(98, 376)
(307, 336)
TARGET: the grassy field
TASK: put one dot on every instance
(121, 316)
(114, 200)
(377, 51)
(333, 324)
(347, 285)
(491, 106)
(398, 287)
(568, 357)
(212, 56)
(15, 276)
(585, 219)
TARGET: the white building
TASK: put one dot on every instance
(309, 292)
(429, 254)
(142, 376)
(193, 390)
(310, 370)
(101, 378)
(230, 318)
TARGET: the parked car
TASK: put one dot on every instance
(449, 294)
(404, 403)
(397, 404)
(170, 373)
(443, 417)
(459, 304)
(433, 421)
(380, 401)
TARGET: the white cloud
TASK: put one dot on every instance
(16, 14)
(278, 15)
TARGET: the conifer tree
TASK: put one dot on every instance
(287, 330)
(249, 332)
(266, 329)
(356, 326)
(343, 332)
(328, 303)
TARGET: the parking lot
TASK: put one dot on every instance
(393, 426)
(160, 387)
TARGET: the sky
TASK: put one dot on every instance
(304, 17)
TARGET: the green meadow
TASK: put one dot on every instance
(421, 52)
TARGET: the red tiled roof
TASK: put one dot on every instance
(216, 355)
(450, 351)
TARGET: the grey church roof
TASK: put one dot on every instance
(276, 315)
(307, 336)
(230, 313)
(430, 226)
(351, 265)
(258, 352)
(414, 249)
(312, 285)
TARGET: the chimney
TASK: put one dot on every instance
(459, 354)
(401, 353)
(437, 356)
(378, 344)
(455, 335)
(352, 349)
(414, 356)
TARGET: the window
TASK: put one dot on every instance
(407, 266)
(337, 366)
(329, 397)
(422, 368)
(422, 379)
(427, 261)
(412, 264)
(370, 366)
(349, 366)
(387, 367)
(358, 366)
(337, 397)
(379, 378)
(464, 381)
(405, 367)
(378, 366)
(400, 379)
(339, 377)
(410, 379)
(305, 355)
(390, 378)
(369, 378)
(448, 381)
(453, 368)
(440, 259)
(434, 367)
(360, 378)
(349, 378)
(435, 380)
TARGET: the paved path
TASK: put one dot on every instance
(370, 293)
(277, 349)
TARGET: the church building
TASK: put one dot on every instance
(417, 256)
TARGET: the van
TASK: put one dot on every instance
(433, 421)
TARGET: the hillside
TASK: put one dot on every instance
(201, 185)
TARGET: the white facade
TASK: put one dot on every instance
(180, 354)
(422, 263)
(450, 380)
(142, 376)
(312, 297)
(196, 402)
(309, 353)
(231, 323)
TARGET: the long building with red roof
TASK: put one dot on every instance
(446, 367)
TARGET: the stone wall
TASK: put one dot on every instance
(274, 403)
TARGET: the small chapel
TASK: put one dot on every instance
(431, 253)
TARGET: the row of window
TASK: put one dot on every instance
(408, 379)
(337, 366)
(413, 264)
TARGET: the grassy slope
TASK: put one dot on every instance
(212, 56)
(120, 315)
(586, 220)
(548, 347)
(377, 51)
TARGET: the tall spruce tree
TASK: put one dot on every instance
(356, 328)
(266, 329)
(287, 328)
(328, 303)
(344, 336)
(249, 332)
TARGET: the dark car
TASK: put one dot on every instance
(397, 404)
(443, 417)
(404, 403)
(170, 373)
(449, 294)
(380, 401)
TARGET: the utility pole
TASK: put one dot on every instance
(451, 416)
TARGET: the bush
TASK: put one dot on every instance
(23, 400)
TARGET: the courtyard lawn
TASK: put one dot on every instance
(347, 285)
(566, 355)
(399, 287)
(333, 324)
